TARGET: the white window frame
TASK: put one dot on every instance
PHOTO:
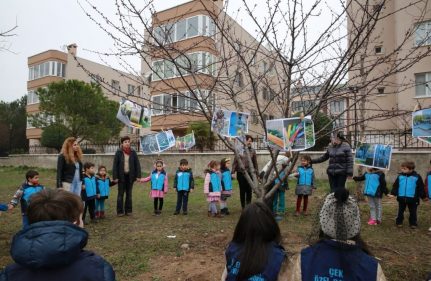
(161, 104)
(426, 84)
(419, 39)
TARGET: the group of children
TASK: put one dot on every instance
(408, 188)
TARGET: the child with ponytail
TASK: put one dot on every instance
(213, 187)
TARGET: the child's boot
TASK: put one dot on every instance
(97, 215)
(226, 211)
(102, 214)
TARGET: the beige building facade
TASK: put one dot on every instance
(53, 65)
(401, 37)
(192, 59)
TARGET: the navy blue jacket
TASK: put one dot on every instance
(409, 187)
(53, 250)
(180, 184)
(332, 260)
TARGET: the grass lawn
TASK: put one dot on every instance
(139, 249)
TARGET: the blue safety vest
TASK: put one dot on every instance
(158, 182)
(372, 183)
(331, 260)
(103, 185)
(305, 175)
(29, 191)
(407, 186)
(226, 180)
(429, 184)
(183, 180)
(276, 257)
(215, 182)
(90, 187)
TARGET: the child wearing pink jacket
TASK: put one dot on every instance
(212, 187)
(159, 186)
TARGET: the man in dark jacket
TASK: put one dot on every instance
(51, 248)
(244, 187)
(126, 169)
(340, 165)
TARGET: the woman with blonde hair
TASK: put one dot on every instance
(69, 166)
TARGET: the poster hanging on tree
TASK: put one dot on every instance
(134, 115)
(421, 123)
(157, 143)
(186, 142)
(374, 155)
(230, 123)
(293, 134)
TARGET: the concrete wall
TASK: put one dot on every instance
(198, 161)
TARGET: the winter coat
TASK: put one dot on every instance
(118, 166)
(184, 180)
(340, 160)
(53, 250)
(409, 188)
(375, 184)
(66, 171)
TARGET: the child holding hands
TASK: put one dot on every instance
(159, 186)
(213, 187)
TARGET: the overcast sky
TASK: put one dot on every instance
(53, 24)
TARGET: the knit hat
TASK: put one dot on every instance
(340, 217)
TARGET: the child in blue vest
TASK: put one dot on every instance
(23, 195)
(159, 186)
(408, 188)
(279, 201)
(374, 188)
(103, 183)
(226, 184)
(339, 253)
(183, 184)
(212, 187)
(255, 252)
(90, 192)
(305, 184)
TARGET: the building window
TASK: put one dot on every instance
(254, 117)
(238, 80)
(423, 34)
(201, 62)
(305, 105)
(131, 89)
(381, 91)
(157, 105)
(32, 97)
(115, 85)
(378, 50)
(30, 122)
(192, 27)
(48, 68)
(336, 106)
(423, 83)
(265, 94)
(181, 30)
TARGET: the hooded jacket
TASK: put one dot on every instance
(340, 159)
(53, 250)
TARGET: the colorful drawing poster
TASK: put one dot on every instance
(157, 143)
(186, 142)
(230, 123)
(134, 115)
(291, 133)
(421, 123)
(426, 140)
(374, 155)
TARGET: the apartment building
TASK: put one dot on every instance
(401, 36)
(194, 68)
(53, 65)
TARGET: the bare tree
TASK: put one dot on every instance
(260, 74)
(9, 32)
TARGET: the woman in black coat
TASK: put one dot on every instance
(69, 167)
(340, 165)
(126, 169)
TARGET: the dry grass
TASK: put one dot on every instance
(139, 249)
